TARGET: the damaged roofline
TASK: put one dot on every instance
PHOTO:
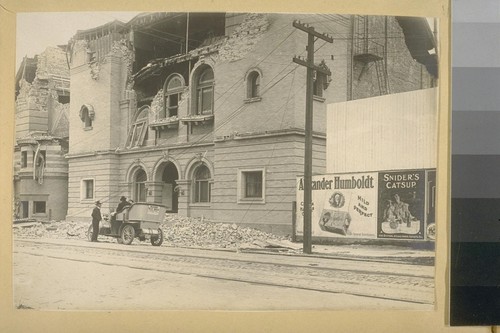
(159, 63)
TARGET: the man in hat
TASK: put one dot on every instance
(123, 203)
(96, 218)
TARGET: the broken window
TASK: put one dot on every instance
(202, 186)
(139, 130)
(205, 92)
(172, 95)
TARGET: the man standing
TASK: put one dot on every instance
(96, 218)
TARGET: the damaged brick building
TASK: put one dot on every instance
(42, 131)
(204, 112)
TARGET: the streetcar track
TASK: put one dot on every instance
(183, 256)
(231, 279)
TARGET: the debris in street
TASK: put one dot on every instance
(178, 231)
(192, 232)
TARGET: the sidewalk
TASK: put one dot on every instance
(350, 251)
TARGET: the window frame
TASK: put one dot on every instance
(43, 153)
(242, 196)
(84, 189)
(138, 129)
(168, 93)
(38, 213)
(87, 116)
(24, 159)
(24, 209)
(253, 85)
(139, 187)
(202, 87)
(197, 183)
(253, 80)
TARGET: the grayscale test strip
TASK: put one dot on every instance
(475, 179)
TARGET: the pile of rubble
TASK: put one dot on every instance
(189, 232)
(178, 232)
(53, 230)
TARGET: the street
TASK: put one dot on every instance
(79, 275)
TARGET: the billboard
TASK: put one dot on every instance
(371, 205)
(401, 204)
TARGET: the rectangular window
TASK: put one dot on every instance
(205, 100)
(251, 185)
(173, 104)
(202, 191)
(38, 207)
(24, 159)
(140, 192)
(88, 189)
(24, 209)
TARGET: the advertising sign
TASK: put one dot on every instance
(390, 204)
(401, 206)
(343, 205)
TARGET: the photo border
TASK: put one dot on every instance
(13, 320)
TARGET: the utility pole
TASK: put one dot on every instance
(311, 68)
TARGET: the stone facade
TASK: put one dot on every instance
(42, 108)
(217, 130)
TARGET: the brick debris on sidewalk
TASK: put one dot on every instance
(198, 233)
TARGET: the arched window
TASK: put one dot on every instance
(139, 130)
(86, 118)
(139, 193)
(205, 92)
(253, 85)
(171, 96)
(202, 186)
(87, 115)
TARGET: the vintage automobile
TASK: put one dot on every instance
(140, 219)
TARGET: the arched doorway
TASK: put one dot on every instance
(169, 194)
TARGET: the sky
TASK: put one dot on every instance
(36, 31)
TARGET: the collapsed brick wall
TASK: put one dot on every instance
(52, 75)
(52, 62)
(122, 48)
(157, 106)
(244, 37)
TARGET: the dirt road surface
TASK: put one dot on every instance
(78, 275)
